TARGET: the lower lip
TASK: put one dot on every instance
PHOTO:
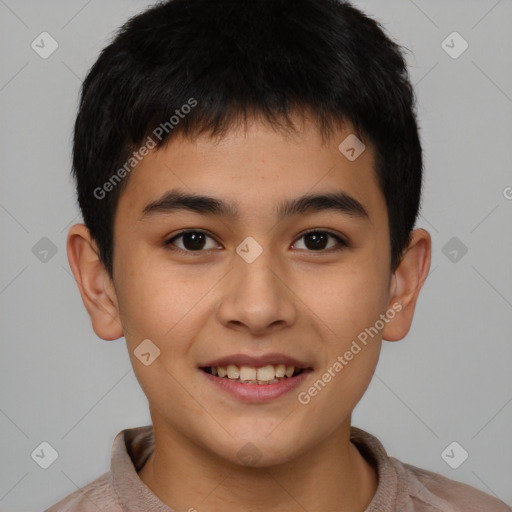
(255, 393)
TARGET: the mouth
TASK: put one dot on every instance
(256, 378)
(256, 384)
(262, 375)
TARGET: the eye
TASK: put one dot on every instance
(197, 241)
(317, 240)
(192, 241)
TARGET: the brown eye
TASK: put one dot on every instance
(192, 241)
(318, 240)
(197, 241)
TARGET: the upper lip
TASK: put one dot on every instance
(273, 358)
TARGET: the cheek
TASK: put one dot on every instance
(165, 306)
(348, 299)
(349, 308)
(349, 305)
(331, 398)
(151, 298)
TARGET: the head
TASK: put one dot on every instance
(250, 107)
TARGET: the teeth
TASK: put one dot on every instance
(268, 374)
(280, 370)
(247, 373)
(233, 371)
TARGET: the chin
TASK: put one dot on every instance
(262, 450)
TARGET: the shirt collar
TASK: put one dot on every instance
(133, 446)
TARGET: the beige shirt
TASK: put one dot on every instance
(401, 487)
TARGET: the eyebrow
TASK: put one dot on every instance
(175, 200)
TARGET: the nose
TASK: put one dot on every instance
(257, 297)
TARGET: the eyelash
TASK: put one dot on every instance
(168, 243)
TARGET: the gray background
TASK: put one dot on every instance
(449, 380)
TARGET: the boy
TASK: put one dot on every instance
(216, 145)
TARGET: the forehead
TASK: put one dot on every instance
(254, 168)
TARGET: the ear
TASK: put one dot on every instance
(96, 287)
(406, 284)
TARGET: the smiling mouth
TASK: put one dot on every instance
(268, 374)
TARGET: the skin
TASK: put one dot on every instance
(306, 303)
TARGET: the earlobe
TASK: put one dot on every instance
(406, 284)
(94, 283)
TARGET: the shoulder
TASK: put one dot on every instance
(439, 493)
(97, 495)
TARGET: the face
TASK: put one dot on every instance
(253, 285)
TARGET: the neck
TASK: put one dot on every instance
(333, 476)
